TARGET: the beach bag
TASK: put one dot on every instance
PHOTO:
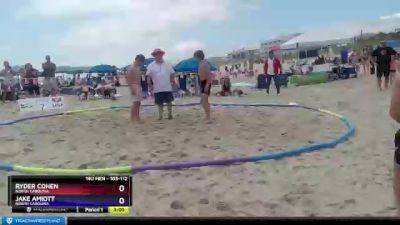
(283, 80)
(262, 81)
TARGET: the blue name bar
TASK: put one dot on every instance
(33, 220)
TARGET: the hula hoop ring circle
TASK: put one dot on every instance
(185, 165)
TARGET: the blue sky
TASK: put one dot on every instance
(78, 31)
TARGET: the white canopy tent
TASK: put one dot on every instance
(340, 34)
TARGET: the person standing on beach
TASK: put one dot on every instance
(344, 55)
(161, 75)
(365, 62)
(49, 74)
(382, 57)
(134, 81)
(272, 69)
(205, 81)
(355, 61)
(8, 85)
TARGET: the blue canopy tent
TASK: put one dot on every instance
(191, 66)
(103, 69)
(395, 44)
(144, 66)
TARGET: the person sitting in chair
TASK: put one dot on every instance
(30, 80)
(106, 89)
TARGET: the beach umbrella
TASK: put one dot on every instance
(73, 71)
(103, 69)
(394, 44)
(191, 66)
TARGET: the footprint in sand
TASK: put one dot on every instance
(123, 157)
(91, 164)
(263, 182)
(216, 148)
(222, 206)
(58, 141)
(28, 150)
(245, 193)
(204, 201)
(177, 205)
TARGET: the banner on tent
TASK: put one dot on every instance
(41, 104)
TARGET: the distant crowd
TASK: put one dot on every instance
(31, 82)
(382, 62)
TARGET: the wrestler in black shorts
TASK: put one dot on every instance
(203, 85)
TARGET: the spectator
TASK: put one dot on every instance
(344, 55)
(366, 63)
(30, 80)
(225, 87)
(272, 69)
(182, 82)
(382, 57)
(85, 88)
(49, 73)
(9, 82)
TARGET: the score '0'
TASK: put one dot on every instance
(121, 188)
(121, 201)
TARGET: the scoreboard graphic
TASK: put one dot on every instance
(70, 194)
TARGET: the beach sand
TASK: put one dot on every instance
(353, 179)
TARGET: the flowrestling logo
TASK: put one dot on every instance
(33, 220)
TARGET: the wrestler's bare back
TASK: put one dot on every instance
(133, 78)
(204, 71)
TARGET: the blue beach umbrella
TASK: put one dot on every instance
(394, 44)
(103, 69)
(191, 66)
